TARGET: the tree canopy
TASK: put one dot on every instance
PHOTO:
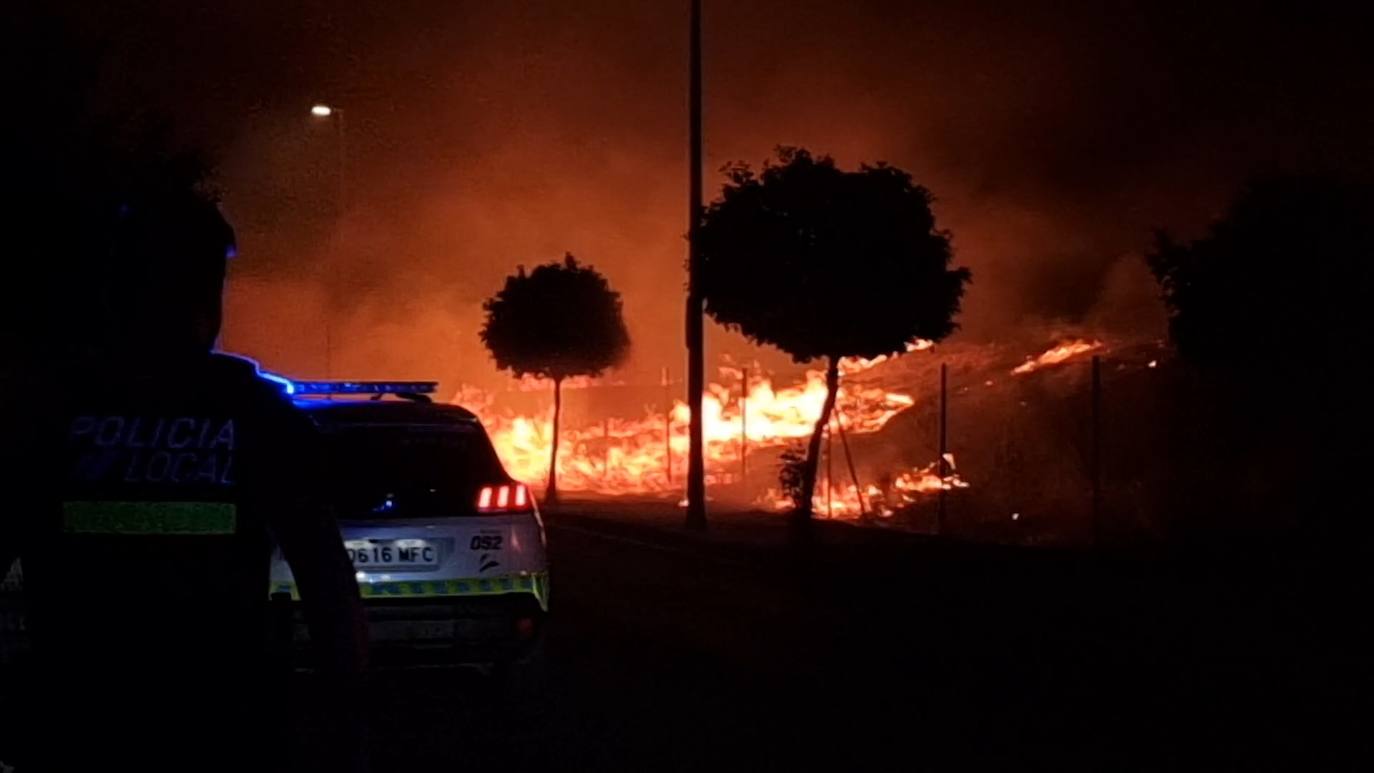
(1281, 279)
(559, 320)
(1270, 305)
(823, 262)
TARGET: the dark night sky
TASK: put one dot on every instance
(485, 134)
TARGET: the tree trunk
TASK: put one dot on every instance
(551, 493)
(813, 450)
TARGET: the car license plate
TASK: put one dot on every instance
(370, 554)
(411, 630)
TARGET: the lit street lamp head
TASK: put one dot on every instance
(321, 111)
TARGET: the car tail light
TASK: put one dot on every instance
(505, 498)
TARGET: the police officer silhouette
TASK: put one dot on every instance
(150, 482)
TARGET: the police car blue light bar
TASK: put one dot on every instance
(288, 386)
(363, 387)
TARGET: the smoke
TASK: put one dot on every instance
(480, 136)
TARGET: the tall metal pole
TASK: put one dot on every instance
(744, 429)
(343, 160)
(328, 334)
(336, 115)
(1095, 460)
(667, 428)
(342, 145)
(696, 335)
(944, 447)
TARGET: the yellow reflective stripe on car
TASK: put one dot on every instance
(536, 584)
(179, 518)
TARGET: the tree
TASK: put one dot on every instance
(1270, 309)
(560, 320)
(825, 263)
(1281, 279)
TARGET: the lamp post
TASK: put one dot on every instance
(336, 115)
(327, 112)
(696, 335)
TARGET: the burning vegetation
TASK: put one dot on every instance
(647, 454)
(750, 429)
(1056, 355)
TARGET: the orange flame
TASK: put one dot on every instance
(631, 456)
(1056, 355)
(850, 365)
(842, 500)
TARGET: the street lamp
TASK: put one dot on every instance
(331, 112)
(335, 113)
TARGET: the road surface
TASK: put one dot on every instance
(753, 650)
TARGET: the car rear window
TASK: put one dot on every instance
(394, 469)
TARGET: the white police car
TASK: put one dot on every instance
(449, 550)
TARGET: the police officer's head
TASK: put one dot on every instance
(162, 287)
